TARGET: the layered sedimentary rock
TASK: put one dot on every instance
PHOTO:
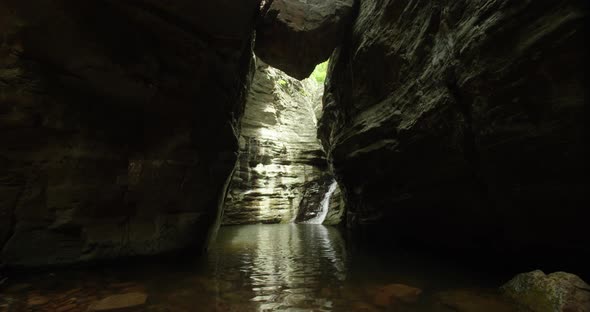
(296, 35)
(460, 124)
(117, 124)
(281, 161)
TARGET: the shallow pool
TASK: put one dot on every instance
(270, 268)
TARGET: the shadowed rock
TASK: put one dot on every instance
(296, 35)
(116, 124)
(555, 292)
(460, 125)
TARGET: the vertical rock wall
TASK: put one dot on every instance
(460, 124)
(281, 159)
(117, 124)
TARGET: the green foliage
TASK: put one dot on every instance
(319, 74)
(282, 82)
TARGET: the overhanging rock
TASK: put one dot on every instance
(296, 35)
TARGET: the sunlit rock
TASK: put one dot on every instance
(280, 156)
(555, 292)
(296, 35)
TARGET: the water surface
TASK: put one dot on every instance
(270, 268)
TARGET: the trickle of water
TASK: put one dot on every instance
(325, 204)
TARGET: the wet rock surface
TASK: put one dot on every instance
(392, 294)
(555, 292)
(458, 125)
(281, 165)
(122, 302)
(116, 134)
(296, 35)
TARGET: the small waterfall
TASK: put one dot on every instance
(325, 205)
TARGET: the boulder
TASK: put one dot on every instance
(296, 35)
(555, 292)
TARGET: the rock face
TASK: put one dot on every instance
(296, 35)
(281, 160)
(556, 292)
(336, 209)
(117, 124)
(460, 124)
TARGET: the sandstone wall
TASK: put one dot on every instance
(117, 124)
(460, 124)
(281, 165)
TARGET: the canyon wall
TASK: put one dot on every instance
(282, 168)
(117, 124)
(460, 124)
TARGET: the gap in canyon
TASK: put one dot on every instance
(282, 175)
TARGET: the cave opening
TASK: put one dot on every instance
(282, 174)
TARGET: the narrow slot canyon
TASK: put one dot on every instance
(294, 155)
(282, 173)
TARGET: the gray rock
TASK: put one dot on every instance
(296, 35)
(116, 134)
(458, 124)
(555, 292)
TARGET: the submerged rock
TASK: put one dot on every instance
(474, 301)
(555, 292)
(124, 302)
(296, 35)
(394, 293)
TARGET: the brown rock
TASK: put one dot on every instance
(392, 293)
(37, 300)
(296, 35)
(119, 302)
(66, 308)
(473, 301)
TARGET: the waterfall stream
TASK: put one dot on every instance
(325, 205)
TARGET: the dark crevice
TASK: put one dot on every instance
(11, 225)
(471, 153)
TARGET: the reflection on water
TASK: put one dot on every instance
(288, 267)
(284, 265)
